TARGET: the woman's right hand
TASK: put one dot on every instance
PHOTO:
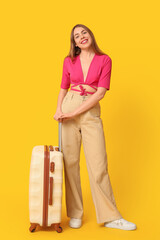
(57, 115)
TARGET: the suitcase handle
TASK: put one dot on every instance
(52, 167)
(60, 135)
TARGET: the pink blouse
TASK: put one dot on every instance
(99, 73)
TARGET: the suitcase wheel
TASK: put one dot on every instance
(59, 230)
(32, 227)
(57, 227)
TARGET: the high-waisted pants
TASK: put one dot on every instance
(87, 127)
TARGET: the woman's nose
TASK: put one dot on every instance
(82, 37)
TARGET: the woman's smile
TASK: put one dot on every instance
(84, 41)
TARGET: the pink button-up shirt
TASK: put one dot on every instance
(99, 73)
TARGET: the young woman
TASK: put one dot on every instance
(88, 70)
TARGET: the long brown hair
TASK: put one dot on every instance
(74, 51)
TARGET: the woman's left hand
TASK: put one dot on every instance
(66, 116)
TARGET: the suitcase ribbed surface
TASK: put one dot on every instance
(36, 186)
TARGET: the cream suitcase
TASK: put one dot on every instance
(45, 186)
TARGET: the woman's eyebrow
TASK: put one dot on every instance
(77, 33)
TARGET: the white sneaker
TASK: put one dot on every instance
(121, 224)
(75, 222)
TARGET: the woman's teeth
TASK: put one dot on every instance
(84, 41)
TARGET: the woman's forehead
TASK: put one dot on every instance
(78, 30)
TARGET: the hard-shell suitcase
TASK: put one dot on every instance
(45, 186)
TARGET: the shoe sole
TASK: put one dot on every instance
(74, 226)
(118, 227)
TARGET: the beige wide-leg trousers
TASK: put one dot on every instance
(88, 128)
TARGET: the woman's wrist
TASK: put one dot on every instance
(58, 109)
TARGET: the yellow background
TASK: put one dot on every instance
(35, 38)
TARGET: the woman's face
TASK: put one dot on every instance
(80, 35)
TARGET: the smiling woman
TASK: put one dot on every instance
(88, 70)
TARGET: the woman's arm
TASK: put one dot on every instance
(61, 95)
(91, 101)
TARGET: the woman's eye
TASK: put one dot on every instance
(83, 32)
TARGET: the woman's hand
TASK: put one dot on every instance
(57, 115)
(66, 116)
(62, 117)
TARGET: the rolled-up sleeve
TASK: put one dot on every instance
(65, 82)
(105, 77)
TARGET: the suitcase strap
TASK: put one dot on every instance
(50, 190)
(46, 184)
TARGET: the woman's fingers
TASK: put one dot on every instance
(64, 117)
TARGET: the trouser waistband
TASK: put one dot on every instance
(78, 96)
